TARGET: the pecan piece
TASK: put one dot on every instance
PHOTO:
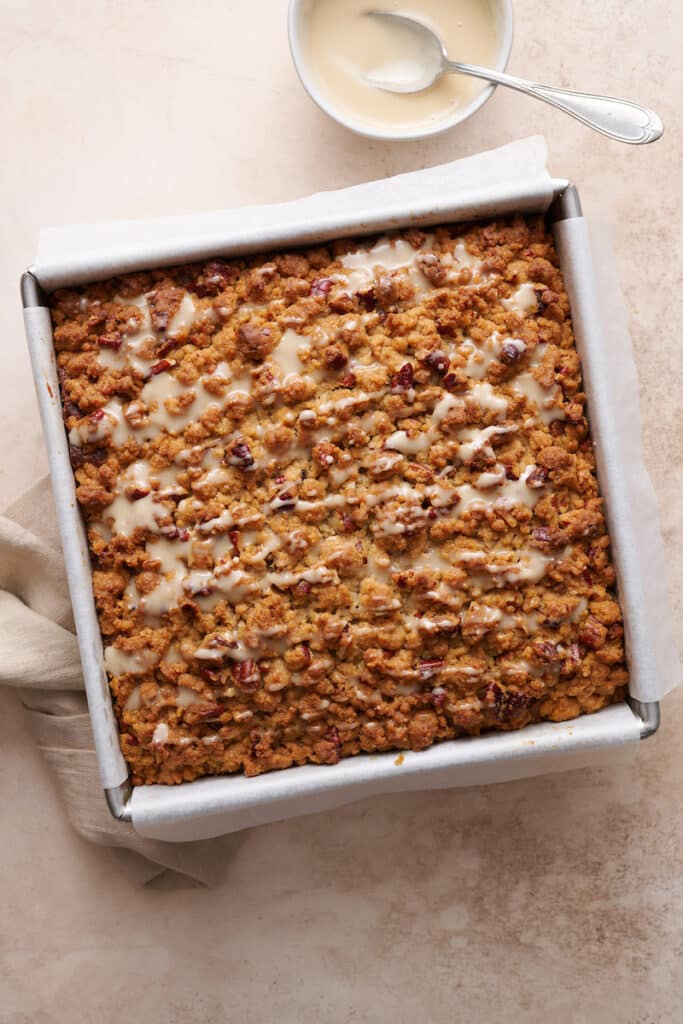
(368, 300)
(321, 286)
(546, 650)
(456, 381)
(240, 455)
(213, 279)
(427, 669)
(137, 493)
(335, 358)
(437, 361)
(505, 702)
(593, 634)
(510, 354)
(255, 342)
(347, 522)
(211, 709)
(387, 290)
(247, 676)
(160, 367)
(538, 477)
(163, 304)
(432, 268)
(404, 379)
(80, 457)
(113, 340)
(211, 675)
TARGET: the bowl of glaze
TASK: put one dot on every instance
(322, 47)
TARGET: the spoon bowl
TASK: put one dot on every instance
(427, 60)
(299, 21)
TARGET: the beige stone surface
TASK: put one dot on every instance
(552, 900)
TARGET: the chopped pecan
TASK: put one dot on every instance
(427, 669)
(592, 633)
(285, 501)
(321, 287)
(246, 675)
(203, 712)
(432, 268)
(254, 341)
(546, 537)
(573, 655)
(455, 381)
(335, 358)
(347, 522)
(163, 304)
(387, 290)
(510, 354)
(81, 456)
(368, 299)
(505, 702)
(538, 477)
(113, 340)
(404, 379)
(546, 650)
(137, 493)
(211, 675)
(160, 367)
(437, 361)
(325, 453)
(214, 278)
(240, 455)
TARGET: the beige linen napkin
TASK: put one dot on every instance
(39, 656)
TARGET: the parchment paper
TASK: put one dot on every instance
(513, 177)
(611, 384)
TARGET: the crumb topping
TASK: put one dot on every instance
(339, 500)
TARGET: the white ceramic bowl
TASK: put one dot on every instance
(299, 12)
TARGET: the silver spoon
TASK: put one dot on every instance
(616, 118)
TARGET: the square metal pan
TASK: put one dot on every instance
(210, 806)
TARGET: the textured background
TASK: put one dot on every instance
(557, 899)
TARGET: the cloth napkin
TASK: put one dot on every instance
(39, 658)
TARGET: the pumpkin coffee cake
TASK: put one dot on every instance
(340, 500)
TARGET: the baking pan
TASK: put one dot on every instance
(215, 805)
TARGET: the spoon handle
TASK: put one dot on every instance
(618, 119)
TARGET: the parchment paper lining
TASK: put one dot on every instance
(513, 177)
(611, 384)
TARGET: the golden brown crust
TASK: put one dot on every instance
(339, 501)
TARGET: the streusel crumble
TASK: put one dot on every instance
(339, 500)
